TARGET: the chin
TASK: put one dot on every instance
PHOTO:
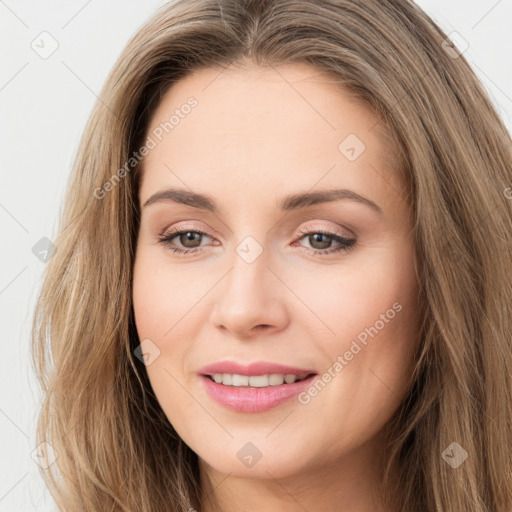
(259, 460)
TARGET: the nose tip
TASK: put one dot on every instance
(248, 301)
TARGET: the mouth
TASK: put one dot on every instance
(255, 393)
(257, 381)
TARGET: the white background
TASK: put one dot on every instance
(44, 105)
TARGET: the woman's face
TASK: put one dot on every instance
(282, 271)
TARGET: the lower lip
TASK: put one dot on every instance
(247, 399)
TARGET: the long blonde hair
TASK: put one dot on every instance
(116, 450)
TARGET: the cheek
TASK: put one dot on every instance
(360, 300)
(169, 310)
(161, 295)
(160, 316)
(369, 331)
(368, 366)
(149, 298)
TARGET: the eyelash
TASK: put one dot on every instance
(346, 243)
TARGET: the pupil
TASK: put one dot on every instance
(189, 237)
(325, 244)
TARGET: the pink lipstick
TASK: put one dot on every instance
(256, 387)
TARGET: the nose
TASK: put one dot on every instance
(250, 299)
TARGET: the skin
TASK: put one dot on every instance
(256, 136)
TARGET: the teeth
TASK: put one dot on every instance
(239, 380)
(255, 381)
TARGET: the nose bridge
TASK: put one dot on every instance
(250, 294)
(251, 253)
(248, 279)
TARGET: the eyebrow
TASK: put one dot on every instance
(291, 202)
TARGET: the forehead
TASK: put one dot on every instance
(261, 129)
(264, 100)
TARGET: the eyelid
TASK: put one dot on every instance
(337, 230)
(347, 233)
(185, 225)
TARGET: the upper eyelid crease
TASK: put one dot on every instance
(292, 202)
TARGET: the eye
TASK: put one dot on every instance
(324, 241)
(190, 239)
(186, 236)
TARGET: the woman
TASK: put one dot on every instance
(341, 340)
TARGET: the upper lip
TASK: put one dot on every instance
(256, 368)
